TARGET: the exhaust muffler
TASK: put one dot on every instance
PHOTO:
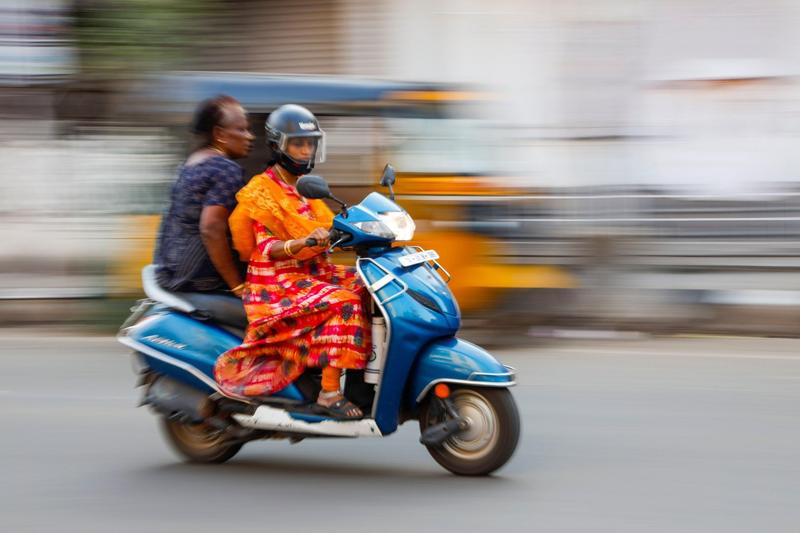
(178, 401)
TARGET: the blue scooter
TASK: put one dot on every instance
(418, 368)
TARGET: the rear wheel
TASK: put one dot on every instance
(491, 435)
(199, 443)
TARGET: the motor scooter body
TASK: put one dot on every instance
(176, 348)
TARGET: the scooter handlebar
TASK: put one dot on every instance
(334, 236)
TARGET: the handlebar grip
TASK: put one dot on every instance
(311, 241)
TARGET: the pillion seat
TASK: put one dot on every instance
(220, 308)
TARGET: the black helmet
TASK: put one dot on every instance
(292, 121)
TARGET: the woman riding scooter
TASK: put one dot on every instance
(302, 310)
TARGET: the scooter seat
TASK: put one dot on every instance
(222, 308)
(217, 307)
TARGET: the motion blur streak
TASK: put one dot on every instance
(613, 164)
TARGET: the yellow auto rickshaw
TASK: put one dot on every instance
(425, 131)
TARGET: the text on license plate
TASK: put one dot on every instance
(417, 258)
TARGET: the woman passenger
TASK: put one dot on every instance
(193, 251)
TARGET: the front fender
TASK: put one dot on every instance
(455, 361)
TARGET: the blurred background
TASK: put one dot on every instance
(580, 165)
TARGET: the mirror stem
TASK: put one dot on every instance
(341, 203)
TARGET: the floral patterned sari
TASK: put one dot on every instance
(302, 312)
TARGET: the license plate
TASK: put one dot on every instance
(419, 257)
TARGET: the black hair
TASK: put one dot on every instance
(209, 114)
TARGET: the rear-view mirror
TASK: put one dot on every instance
(313, 187)
(388, 178)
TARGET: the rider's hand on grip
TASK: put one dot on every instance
(318, 238)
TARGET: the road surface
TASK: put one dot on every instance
(648, 435)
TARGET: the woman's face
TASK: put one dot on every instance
(301, 148)
(234, 136)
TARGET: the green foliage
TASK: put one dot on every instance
(122, 38)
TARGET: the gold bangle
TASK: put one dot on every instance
(238, 287)
(286, 248)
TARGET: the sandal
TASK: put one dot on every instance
(341, 409)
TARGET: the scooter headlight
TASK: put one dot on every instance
(399, 223)
(375, 227)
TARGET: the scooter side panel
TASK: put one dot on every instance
(423, 279)
(412, 327)
(187, 341)
(455, 360)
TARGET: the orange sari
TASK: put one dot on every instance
(302, 312)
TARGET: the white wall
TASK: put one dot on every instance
(595, 69)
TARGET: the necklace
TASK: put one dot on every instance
(279, 170)
(218, 150)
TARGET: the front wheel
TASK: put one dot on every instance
(199, 443)
(491, 435)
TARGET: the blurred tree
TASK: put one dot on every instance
(118, 42)
(125, 38)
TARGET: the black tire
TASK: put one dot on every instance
(491, 439)
(198, 443)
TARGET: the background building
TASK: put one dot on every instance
(660, 136)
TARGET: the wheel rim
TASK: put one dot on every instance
(482, 431)
(199, 437)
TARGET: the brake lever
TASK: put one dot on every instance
(337, 237)
(337, 243)
(312, 242)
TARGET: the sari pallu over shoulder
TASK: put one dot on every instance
(264, 200)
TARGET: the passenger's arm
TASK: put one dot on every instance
(213, 231)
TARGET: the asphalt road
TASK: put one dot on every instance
(671, 434)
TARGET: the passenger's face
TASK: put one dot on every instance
(234, 136)
(301, 148)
